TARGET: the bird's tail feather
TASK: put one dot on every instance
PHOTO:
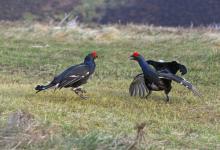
(182, 81)
(39, 88)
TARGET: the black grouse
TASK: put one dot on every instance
(158, 77)
(74, 76)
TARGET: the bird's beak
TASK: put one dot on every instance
(131, 57)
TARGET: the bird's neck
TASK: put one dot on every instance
(149, 73)
(144, 66)
(90, 63)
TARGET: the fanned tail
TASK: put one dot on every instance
(138, 87)
(181, 81)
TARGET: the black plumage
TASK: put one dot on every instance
(158, 77)
(74, 76)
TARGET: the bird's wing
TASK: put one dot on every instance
(72, 75)
(172, 66)
(180, 80)
(138, 87)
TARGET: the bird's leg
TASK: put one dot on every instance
(148, 94)
(167, 92)
(80, 92)
(167, 98)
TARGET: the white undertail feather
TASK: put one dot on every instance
(75, 88)
(56, 86)
(161, 60)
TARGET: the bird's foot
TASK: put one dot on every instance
(83, 91)
(80, 92)
(148, 94)
(83, 97)
(167, 99)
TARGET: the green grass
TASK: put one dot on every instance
(33, 54)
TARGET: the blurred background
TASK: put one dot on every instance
(154, 12)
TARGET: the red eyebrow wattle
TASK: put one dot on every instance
(135, 54)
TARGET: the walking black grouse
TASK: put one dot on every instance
(74, 76)
(158, 78)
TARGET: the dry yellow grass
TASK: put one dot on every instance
(33, 54)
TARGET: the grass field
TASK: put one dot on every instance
(33, 54)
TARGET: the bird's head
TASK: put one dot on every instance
(135, 56)
(91, 57)
(93, 54)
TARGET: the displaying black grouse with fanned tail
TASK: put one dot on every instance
(74, 76)
(158, 77)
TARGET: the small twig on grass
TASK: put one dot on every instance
(17, 145)
(140, 135)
